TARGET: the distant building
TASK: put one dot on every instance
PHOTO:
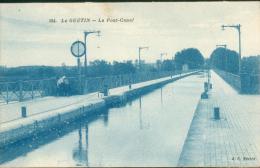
(185, 67)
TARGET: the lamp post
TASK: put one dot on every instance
(173, 64)
(238, 27)
(139, 55)
(161, 55)
(86, 33)
(225, 46)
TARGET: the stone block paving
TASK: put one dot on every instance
(234, 140)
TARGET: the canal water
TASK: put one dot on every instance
(147, 131)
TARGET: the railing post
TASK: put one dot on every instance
(20, 90)
(32, 92)
(41, 87)
(86, 85)
(7, 93)
(120, 80)
(130, 81)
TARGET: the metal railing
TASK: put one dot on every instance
(245, 83)
(97, 84)
(250, 83)
(232, 79)
(30, 89)
(24, 90)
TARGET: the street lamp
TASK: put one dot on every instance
(162, 54)
(239, 41)
(173, 64)
(86, 33)
(139, 55)
(225, 46)
(221, 45)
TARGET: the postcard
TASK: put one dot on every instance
(138, 84)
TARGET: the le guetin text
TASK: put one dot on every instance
(88, 20)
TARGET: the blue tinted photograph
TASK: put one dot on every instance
(130, 84)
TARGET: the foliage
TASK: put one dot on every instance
(123, 67)
(250, 64)
(225, 59)
(99, 68)
(191, 56)
(167, 65)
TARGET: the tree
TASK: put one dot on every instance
(225, 59)
(250, 65)
(99, 68)
(191, 56)
(123, 67)
(167, 65)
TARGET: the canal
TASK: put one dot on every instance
(148, 131)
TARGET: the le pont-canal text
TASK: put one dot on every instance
(91, 20)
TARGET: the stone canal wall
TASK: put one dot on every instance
(132, 93)
(27, 128)
(16, 130)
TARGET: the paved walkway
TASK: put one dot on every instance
(234, 140)
(12, 111)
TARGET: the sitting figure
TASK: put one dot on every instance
(66, 86)
(62, 86)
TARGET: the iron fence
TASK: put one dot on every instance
(232, 79)
(24, 90)
(245, 83)
(30, 89)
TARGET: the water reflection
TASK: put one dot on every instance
(21, 148)
(161, 96)
(25, 146)
(130, 102)
(105, 115)
(140, 113)
(80, 153)
(143, 116)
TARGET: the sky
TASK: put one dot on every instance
(27, 37)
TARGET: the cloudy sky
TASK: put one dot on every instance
(28, 38)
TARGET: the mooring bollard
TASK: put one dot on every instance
(216, 113)
(210, 85)
(23, 111)
(130, 86)
(205, 86)
(105, 90)
(204, 95)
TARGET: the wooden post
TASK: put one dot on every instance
(216, 113)
(23, 109)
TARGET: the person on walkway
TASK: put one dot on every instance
(66, 86)
(61, 86)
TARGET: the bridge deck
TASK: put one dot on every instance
(231, 141)
(10, 114)
(12, 111)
